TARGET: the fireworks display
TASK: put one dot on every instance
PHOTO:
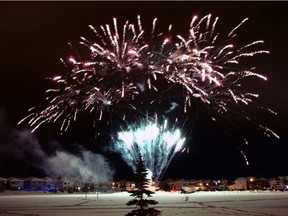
(128, 68)
(122, 64)
(209, 69)
(157, 143)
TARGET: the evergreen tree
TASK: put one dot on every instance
(141, 183)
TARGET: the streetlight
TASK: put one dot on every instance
(251, 180)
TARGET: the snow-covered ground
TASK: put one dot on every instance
(170, 204)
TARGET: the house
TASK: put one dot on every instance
(259, 184)
(14, 183)
(48, 183)
(278, 183)
(119, 185)
(129, 186)
(64, 184)
(3, 183)
(176, 185)
(212, 185)
(241, 183)
(186, 185)
(78, 185)
(107, 186)
(32, 183)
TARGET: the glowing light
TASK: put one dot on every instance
(71, 59)
(157, 143)
(56, 78)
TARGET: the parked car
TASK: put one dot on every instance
(190, 189)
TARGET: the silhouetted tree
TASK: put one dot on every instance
(141, 183)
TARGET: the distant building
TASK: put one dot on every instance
(49, 183)
(78, 185)
(32, 183)
(119, 185)
(241, 183)
(187, 185)
(278, 183)
(175, 185)
(64, 184)
(129, 186)
(3, 183)
(14, 183)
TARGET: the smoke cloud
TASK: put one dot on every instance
(23, 146)
(87, 166)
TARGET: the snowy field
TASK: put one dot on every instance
(170, 204)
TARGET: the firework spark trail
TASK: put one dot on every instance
(100, 83)
(157, 143)
(123, 66)
(207, 68)
(211, 70)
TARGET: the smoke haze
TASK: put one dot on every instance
(24, 147)
(87, 166)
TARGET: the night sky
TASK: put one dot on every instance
(35, 35)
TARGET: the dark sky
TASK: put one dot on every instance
(35, 35)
